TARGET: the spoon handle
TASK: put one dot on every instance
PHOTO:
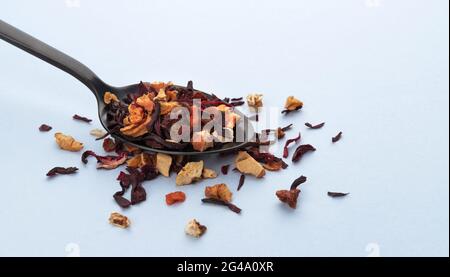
(51, 55)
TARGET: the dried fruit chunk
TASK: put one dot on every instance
(163, 164)
(98, 133)
(175, 197)
(246, 164)
(110, 97)
(201, 141)
(292, 104)
(119, 220)
(220, 192)
(139, 160)
(255, 100)
(136, 130)
(195, 229)
(190, 173)
(145, 101)
(289, 197)
(208, 173)
(68, 143)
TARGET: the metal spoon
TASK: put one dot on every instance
(78, 70)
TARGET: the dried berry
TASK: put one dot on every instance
(119, 220)
(288, 142)
(45, 128)
(301, 150)
(62, 170)
(318, 126)
(175, 197)
(337, 137)
(195, 229)
(68, 143)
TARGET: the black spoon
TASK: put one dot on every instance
(78, 70)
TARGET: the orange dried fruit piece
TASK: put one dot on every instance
(175, 197)
(293, 104)
(136, 114)
(68, 143)
(202, 141)
(109, 97)
(145, 101)
(219, 192)
(208, 173)
(246, 164)
(255, 100)
(139, 160)
(119, 220)
(195, 229)
(167, 107)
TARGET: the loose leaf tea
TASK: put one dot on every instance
(337, 194)
(146, 118)
(45, 128)
(318, 126)
(230, 206)
(302, 150)
(62, 171)
(288, 142)
(82, 118)
(337, 137)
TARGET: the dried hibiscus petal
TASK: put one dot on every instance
(288, 142)
(45, 128)
(225, 169)
(82, 118)
(62, 171)
(241, 182)
(120, 200)
(175, 197)
(109, 145)
(337, 137)
(105, 162)
(301, 150)
(230, 206)
(337, 194)
(318, 126)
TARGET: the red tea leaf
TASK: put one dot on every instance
(337, 194)
(45, 128)
(62, 171)
(82, 118)
(288, 142)
(318, 126)
(337, 137)
(302, 150)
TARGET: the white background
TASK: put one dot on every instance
(377, 70)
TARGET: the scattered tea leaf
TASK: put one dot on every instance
(288, 142)
(241, 182)
(337, 137)
(318, 126)
(62, 171)
(230, 206)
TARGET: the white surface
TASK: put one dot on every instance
(377, 70)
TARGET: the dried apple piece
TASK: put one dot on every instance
(219, 192)
(68, 143)
(190, 173)
(246, 164)
(208, 173)
(163, 164)
(119, 220)
(110, 97)
(195, 229)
